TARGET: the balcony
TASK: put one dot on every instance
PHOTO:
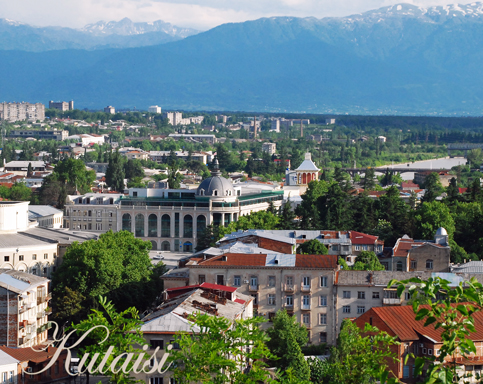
(288, 305)
(305, 288)
(289, 288)
(44, 327)
(253, 288)
(43, 299)
(391, 301)
(32, 320)
(305, 307)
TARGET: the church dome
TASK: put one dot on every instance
(441, 232)
(216, 185)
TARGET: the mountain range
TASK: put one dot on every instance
(401, 59)
(113, 34)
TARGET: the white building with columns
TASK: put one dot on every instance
(170, 219)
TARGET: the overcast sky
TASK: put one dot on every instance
(199, 14)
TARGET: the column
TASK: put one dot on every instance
(158, 220)
(172, 224)
(146, 223)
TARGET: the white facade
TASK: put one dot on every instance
(154, 109)
(8, 368)
(46, 216)
(22, 111)
(271, 148)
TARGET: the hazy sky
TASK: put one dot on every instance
(199, 14)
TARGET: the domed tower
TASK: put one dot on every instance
(216, 186)
(441, 236)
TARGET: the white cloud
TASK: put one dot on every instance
(200, 14)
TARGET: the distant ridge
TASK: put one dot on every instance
(403, 60)
(113, 34)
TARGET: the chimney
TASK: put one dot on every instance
(255, 127)
(301, 128)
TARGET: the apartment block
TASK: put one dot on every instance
(270, 148)
(301, 284)
(50, 134)
(24, 309)
(62, 105)
(22, 111)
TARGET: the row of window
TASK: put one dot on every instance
(360, 309)
(413, 265)
(271, 281)
(360, 295)
(88, 213)
(7, 377)
(34, 257)
(160, 380)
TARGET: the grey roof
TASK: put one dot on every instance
(470, 267)
(261, 233)
(376, 278)
(21, 239)
(283, 260)
(177, 273)
(237, 247)
(62, 236)
(20, 164)
(216, 183)
(19, 282)
(6, 359)
(36, 211)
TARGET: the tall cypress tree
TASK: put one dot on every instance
(115, 172)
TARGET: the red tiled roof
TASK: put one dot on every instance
(240, 301)
(6, 184)
(462, 190)
(409, 184)
(218, 287)
(401, 320)
(362, 238)
(316, 261)
(236, 259)
(29, 354)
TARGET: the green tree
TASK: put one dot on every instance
(210, 236)
(369, 180)
(115, 172)
(283, 329)
(333, 209)
(391, 208)
(259, 220)
(312, 247)
(174, 177)
(367, 261)
(124, 336)
(363, 212)
(133, 169)
(307, 210)
(20, 192)
(356, 359)
(452, 191)
(432, 186)
(296, 359)
(475, 157)
(218, 351)
(30, 170)
(431, 216)
(117, 265)
(287, 216)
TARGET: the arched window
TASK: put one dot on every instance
(165, 246)
(215, 192)
(429, 264)
(152, 225)
(126, 222)
(139, 225)
(154, 245)
(200, 224)
(187, 247)
(202, 192)
(165, 226)
(188, 226)
(399, 266)
(304, 178)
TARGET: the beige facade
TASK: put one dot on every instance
(22, 111)
(305, 292)
(24, 310)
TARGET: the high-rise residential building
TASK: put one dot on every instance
(110, 109)
(22, 111)
(154, 109)
(174, 118)
(62, 105)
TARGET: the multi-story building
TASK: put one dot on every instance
(33, 360)
(96, 212)
(22, 111)
(169, 218)
(421, 341)
(301, 284)
(174, 118)
(46, 216)
(24, 310)
(270, 148)
(163, 156)
(8, 368)
(110, 109)
(26, 248)
(418, 255)
(275, 125)
(62, 105)
(51, 134)
(210, 139)
(172, 317)
(345, 244)
(154, 109)
(21, 167)
(304, 174)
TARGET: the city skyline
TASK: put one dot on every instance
(202, 15)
